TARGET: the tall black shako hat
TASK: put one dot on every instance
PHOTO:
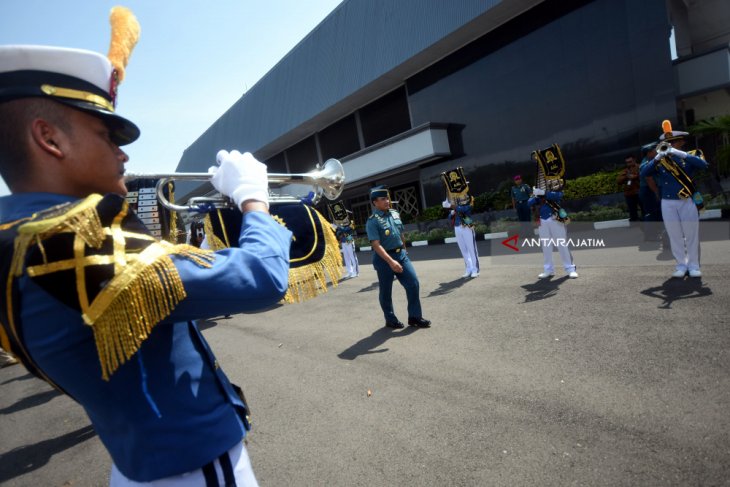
(668, 134)
(82, 79)
(379, 191)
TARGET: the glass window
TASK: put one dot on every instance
(302, 157)
(385, 117)
(276, 163)
(339, 139)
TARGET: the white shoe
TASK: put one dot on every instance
(695, 273)
(466, 274)
(573, 275)
(679, 274)
(545, 275)
(474, 274)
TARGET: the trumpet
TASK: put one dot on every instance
(663, 147)
(327, 180)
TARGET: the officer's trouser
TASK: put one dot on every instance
(408, 280)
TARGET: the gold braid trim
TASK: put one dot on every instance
(213, 241)
(146, 292)
(81, 219)
(310, 281)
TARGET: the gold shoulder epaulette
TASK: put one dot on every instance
(124, 279)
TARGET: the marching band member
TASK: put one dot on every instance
(552, 231)
(673, 170)
(346, 235)
(390, 260)
(464, 232)
(120, 337)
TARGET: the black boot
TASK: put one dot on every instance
(419, 322)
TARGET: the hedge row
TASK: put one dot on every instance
(501, 198)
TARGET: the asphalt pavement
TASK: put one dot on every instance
(619, 377)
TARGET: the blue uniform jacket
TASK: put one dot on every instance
(545, 211)
(170, 408)
(345, 233)
(667, 184)
(462, 212)
(385, 226)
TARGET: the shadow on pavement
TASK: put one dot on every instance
(543, 289)
(447, 287)
(674, 289)
(368, 344)
(27, 458)
(22, 377)
(31, 401)
(371, 287)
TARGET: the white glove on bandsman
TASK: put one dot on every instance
(446, 203)
(538, 192)
(240, 177)
(678, 153)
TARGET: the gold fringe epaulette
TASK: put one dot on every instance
(140, 283)
(124, 313)
(305, 281)
(309, 281)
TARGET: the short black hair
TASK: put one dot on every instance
(15, 116)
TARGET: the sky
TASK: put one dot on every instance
(193, 61)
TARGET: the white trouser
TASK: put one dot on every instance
(682, 221)
(468, 246)
(242, 472)
(348, 254)
(553, 233)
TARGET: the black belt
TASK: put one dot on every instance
(397, 250)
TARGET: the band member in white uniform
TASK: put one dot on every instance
(552, 231)
(346, 235)
(673, 168)
(464, 232)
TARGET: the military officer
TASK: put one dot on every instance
(672, 169)
(122, 341)
(390, 260)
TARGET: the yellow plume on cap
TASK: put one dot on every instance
(667, 127)
(125, 33)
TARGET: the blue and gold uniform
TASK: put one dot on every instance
(169, 408)
(384, 228)
(672, 170)
(94, 304)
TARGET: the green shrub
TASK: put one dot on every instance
(439, 233)
(481, 228)
(432, 213)
(592, 185)
(414, 236)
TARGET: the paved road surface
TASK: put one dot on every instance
(620, 377)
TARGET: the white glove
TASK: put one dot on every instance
(240, 177)
(538, 192)
(446, 204)
(678, 153)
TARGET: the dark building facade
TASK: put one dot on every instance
(402, 91)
